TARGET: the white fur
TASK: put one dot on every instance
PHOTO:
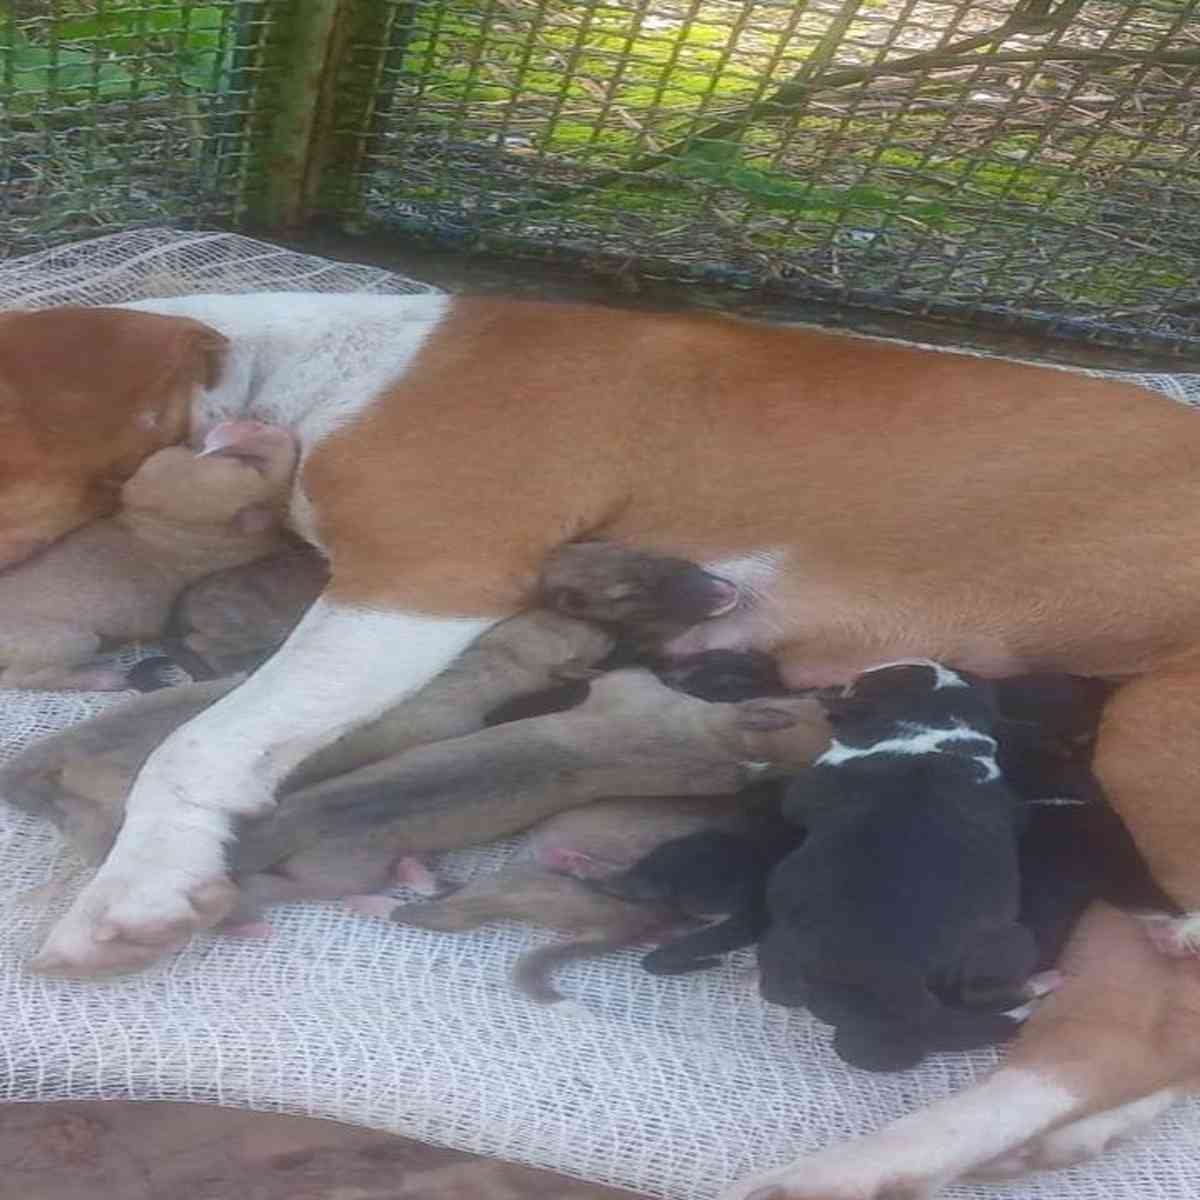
(990, 769)
(341, 667)
(753, 572)
(920, 1154)
(754, 621)
(942, 675)
(1178, 935)
(921, 740)
(306, 360)
(1083, 1140)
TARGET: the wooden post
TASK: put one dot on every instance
(320, 68)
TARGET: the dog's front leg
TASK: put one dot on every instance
(165, 877)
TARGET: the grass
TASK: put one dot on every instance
(1060, 186)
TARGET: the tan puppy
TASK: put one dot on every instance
(182, 516)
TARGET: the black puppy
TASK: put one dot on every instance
(723, 676)
(896, 920)
(715, 875)
(1046, 727)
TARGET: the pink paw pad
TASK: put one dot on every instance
(412, 873)
(575, 862)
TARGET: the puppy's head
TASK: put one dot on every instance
(918, 691)
(617, 585)
(726, 676)
(705, 874)
(85, 395)
(239, 480)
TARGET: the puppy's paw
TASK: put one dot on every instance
(119, 925)
(410, 872)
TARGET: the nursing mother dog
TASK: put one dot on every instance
(873, 501)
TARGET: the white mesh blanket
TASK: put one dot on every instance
(672, 1087)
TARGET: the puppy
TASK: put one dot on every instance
(713, 875)
(230, 621)
(1045, 729)
(899, 913)
(554, 884)
(182, 516)
(723, 676)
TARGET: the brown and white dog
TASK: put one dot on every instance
(873, 501)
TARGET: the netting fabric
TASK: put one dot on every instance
(669, 1086)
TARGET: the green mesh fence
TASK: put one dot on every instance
(1027, 162)
(115, 114)
(1023, 162)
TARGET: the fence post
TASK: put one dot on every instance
(320, 66)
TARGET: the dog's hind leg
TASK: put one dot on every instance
(1124, 1027)
(1147, 764)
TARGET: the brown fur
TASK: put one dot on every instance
(999, 516)
(1125, 1022)
(85, 396)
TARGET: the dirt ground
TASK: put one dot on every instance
(124, 1151)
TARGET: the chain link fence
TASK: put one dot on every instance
(1025, 162)
(114, 114)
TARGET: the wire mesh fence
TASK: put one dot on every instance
(1022, 161)
(1027, 161)
(115, 114)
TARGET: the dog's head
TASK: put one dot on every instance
(85, 395)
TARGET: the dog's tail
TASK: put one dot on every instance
(534, 971)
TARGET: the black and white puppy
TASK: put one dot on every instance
(896, 921)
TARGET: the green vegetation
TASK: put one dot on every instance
(147, 49)
(506, 112)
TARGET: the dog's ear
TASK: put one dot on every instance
(87, 377)
(85, 395)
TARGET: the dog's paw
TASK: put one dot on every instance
(828, 1177)
(1080, 1141)
(118, 925)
